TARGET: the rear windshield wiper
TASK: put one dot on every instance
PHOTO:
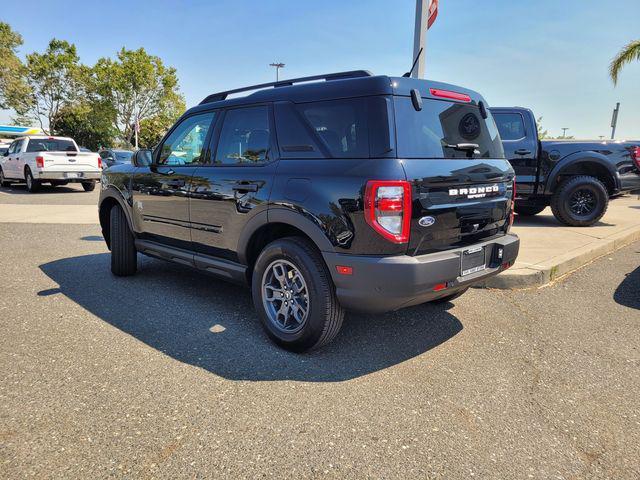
(470, 148)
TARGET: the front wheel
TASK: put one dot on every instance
(124, 257)
(33, 185)
(294, 295)
(3, 180)
(89, 186)
(580, 201)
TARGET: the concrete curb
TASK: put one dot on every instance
(538, 275)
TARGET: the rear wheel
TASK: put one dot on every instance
(3, 180)
(580, 201)
(124, 259)
(33, 185)
(88, 186)
(294, 295)
(529, 210)
(448, 298)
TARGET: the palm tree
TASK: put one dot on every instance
(630, 52)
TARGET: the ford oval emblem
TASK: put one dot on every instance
(426, 221)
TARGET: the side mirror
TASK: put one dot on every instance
(142, 158)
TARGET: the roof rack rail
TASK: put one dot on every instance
(216, 97)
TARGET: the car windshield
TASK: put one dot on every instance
(123, 156)
(50, 145)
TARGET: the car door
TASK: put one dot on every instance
(20, 157)
(519, 141)
(8, 166)
(236, 183)
(161, 191)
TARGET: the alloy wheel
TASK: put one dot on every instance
(582, 202)
(285, 296)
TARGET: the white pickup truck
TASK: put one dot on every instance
(54, 160)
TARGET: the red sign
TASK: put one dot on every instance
(433, 13)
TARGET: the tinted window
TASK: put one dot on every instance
(123, 157)
(341, 126)
(184, 144)
(3, 150)
(50, 145)
(245, 136)
(510, 125)
(434, 131)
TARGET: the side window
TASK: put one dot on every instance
(245, 136)
(341, 125)
(12, 147)
(510, 125)
(184, 146)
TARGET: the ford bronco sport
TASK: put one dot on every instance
(340, 191)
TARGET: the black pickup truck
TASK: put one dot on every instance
(575, 177)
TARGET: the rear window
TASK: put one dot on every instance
(50, 145)
(440, 126)
(510, 125)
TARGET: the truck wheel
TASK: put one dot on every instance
(448, 298)
(123, 250)
(33, 185)
(529, 210)
(89, 186)
(294, 295)
(3, 181)
(580, 201)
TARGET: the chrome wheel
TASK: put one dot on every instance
(285, 296)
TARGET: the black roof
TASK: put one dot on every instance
(355, 83)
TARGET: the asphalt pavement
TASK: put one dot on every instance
(168, 374)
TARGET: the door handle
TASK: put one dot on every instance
(522, 151)
(245, 187)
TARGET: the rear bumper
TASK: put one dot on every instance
(382, 284)
(70, 176)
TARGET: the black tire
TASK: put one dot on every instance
(448, 298)
(124, 257)
(566, 201)
(324, 315)
(33, 185)
(529, 210)
(3, 181)
(89, 186)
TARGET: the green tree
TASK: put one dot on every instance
(13, 85)
(90, 123)
(141, 89)
(54, 78)
(541, 133)
(628, 54)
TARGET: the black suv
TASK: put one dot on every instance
(340, 191)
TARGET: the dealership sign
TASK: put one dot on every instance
(16, 131)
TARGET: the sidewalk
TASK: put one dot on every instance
(549, 249)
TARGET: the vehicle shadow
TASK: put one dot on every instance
(45, 188)
(627, 292)
(206, 322)
(548, 221)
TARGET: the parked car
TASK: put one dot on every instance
(575, 177)
(54, 160)
(358, 192)
(111, 157)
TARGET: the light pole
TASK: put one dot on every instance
(420, 37)
(277, 66)
(564, 132)
(614, 120)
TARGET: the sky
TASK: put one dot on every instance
(551, 56)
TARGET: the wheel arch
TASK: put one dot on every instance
(108, 199)
(276, 223)
(595, 165)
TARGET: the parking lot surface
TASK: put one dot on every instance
(168, 374)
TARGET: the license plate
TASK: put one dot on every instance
(472, 261)
(73, 175)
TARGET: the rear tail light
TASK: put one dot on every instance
(387, 208)
(513, 203)
(100, 163)
(40, 162)
(635, 155)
